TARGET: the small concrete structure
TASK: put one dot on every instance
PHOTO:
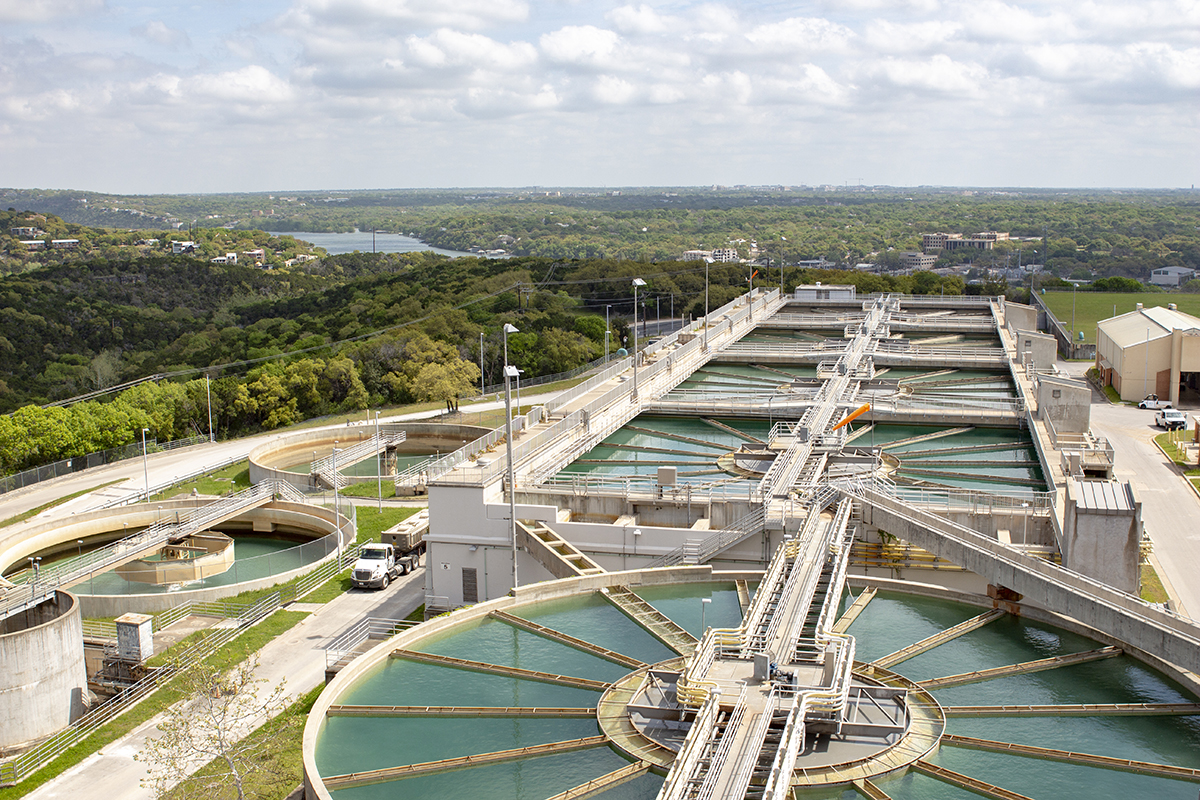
(825, 293)
(1102, 532)
(43, 679)
(1066, 402)
(135, 636)
(195, 558)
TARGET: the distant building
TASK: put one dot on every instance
(64, 244)
(178, 248)
(725, 255)
(827, 292)
(914, 260)
(33, 244)
(27, 232)
(228, 258)
(985, 240)
(696, 255)
(1171, 276)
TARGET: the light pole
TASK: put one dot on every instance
(607, 330)
(707, 263)
(145, 464)
(705, 602)
(1146, 369)
(208, 391)
(636, 283)
(336, 509)
(379, 461)
(481, 363)
(1025, 533)
(508, 328)
(510, 372)
(1071, 349)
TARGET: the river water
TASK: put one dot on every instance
(337, 243)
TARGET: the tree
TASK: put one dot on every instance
(209, 728)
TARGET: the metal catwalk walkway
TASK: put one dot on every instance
(175, 527)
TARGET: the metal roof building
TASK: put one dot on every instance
(1149, 351)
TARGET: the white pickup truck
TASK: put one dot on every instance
(377, 565)
(1152, 401)
(1171, 419)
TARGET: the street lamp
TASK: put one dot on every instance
(145, 464)
(1146, 369)
(481, 387)
(1025, 533)
(607, 331)
(636, 283)
(336, 509)
(510, 372)
(208, 391)
(707, 263)
(705, 602)
(508, 328)
(379, 461)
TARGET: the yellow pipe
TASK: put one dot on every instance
(864, 408)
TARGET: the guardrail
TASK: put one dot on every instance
(31, 587)
(341, 648)
(69, 466)
(699, 552)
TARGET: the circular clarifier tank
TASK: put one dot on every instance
(529, 696)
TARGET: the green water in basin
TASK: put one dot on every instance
(890, 622)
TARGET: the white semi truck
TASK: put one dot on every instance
(379, 563)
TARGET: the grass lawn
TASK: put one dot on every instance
(1152, 588)
(233, 478)
(278, 744)
(1091, 307)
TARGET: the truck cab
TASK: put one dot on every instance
(1171, 419)
(375, 567)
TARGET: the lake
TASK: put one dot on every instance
(336, 243)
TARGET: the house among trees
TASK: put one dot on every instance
(1171, 276)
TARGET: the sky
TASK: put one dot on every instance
(231, 96)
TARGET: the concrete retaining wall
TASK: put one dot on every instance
(43, 680)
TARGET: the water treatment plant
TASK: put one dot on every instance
(816, 545)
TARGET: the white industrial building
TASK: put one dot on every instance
(1148, 351)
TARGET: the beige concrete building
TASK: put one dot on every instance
(1149, 351)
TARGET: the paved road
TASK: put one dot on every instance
(297, 656)
(1170, 509)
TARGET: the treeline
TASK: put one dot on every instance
(408, 331)
(1081, 234)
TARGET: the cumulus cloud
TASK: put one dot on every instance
(46, 10)
(466, 14)
(602, 76)
(158, 32)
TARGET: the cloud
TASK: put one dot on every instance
(466, 14)
(580, 45)
(46, 10)
(160, 33)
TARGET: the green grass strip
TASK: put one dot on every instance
(234, 652)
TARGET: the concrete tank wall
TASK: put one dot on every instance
(265, 461)
(43, 681)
